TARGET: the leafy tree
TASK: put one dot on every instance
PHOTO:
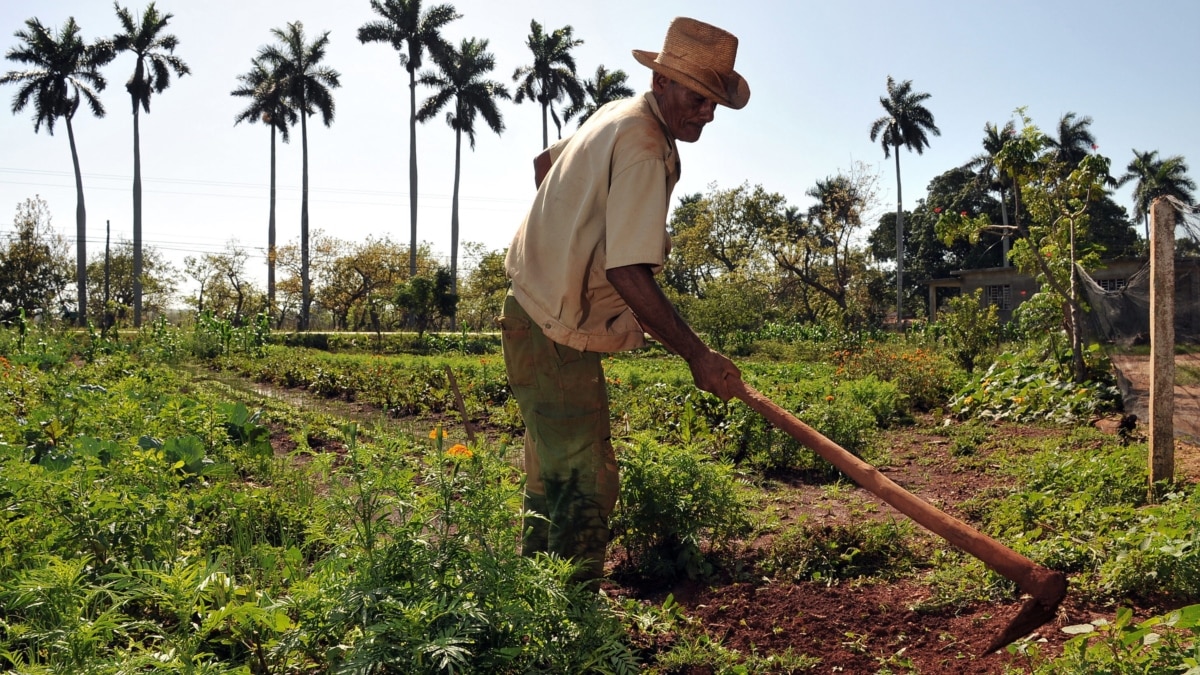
(1110, 231)
(927, 256)
(154, 60)
(1074, 140)
(604, 88)
(159, 283)
(1060, 204)
(426, 298)
(64, 72)
(359, 276)
(732, 227)
(733, 306)
(202, 271)
(461, 79)
(410, 32)
(35, 265)
(268, 103)
(307, 84)
(551, 76)
(970, 329)
(905, 125)
(689, 266)
(1153, 178)
(324, 249)
(984, 165)
(815, 248)
(482, 298)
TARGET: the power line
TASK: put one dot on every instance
(237, 185)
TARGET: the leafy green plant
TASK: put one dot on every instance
(1168, 643)
(674, 501)
(831, 552)
(970, 330)
(1023, 387)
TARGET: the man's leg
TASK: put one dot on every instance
(570, 465)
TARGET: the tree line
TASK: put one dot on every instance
(740, 252)
(288, 82)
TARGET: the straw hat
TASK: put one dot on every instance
(700, 57)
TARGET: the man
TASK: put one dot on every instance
(582, 271)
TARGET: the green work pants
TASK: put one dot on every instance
(570, 466)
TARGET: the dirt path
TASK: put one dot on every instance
(1134, 378)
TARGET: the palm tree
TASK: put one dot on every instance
(268, 103)
(306, 84)
(905, 124)
(605, 88)
(1074, 140)
(460, 78)
(984, 164)
(552, 73)
(155, 59)
(1156, 178)
(64, 71)
(405, 27)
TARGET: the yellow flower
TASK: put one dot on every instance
(968, 400)
(829, 398)
(460, 451)
(435, 432)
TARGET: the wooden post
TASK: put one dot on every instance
(1162, 341)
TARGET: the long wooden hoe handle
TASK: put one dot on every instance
(1045, 585)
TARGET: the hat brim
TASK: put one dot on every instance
(735, 95)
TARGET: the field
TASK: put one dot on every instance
(175, 507)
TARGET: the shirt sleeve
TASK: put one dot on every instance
(556, 148)
(636, 227)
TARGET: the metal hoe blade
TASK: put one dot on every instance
(1037, 610)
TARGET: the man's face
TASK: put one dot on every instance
(684, 111)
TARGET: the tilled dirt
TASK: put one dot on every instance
(871, 627)
(1134, 377)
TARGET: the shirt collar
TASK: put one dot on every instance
(673, 157)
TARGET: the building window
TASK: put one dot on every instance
(998, 295)
(1111, 285)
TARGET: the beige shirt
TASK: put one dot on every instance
(602, 205)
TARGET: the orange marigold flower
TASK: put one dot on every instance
(829, 398)
(460, 451)
(435, 432)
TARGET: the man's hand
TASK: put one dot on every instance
(715, 374)
(712, 372)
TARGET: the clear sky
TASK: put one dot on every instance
(816, 72)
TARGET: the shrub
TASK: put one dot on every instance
(673, 500)
(830, 552)
(968, 328)
(925, 377)
(1026, 387)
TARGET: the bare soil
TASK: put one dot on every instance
(1133, 374)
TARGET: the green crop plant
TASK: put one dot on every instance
(675, 503)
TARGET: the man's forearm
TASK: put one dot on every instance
(654, 311)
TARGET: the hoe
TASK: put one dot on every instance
(1046, 587)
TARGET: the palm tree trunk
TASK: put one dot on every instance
(1004, 221)
(454, 218)
(412, 172)
(80, 233)
(271, 234)
(137, 222)
(899, 248)
(545, 128)
(305, 286)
